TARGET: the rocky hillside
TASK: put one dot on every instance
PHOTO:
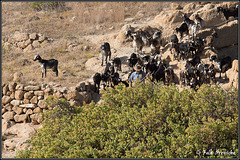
(73, 36)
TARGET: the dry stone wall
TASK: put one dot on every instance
(24, 103)
(24, 41)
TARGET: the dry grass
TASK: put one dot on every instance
(66, 28)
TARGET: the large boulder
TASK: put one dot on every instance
(227, 35)
(74, 94)
(209, 14)
(235, 65)
(231, 51)
(22, 130)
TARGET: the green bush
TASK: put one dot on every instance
(146, 121)
(48, 6)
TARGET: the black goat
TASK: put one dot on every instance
(97, 80)
(169, 75)
(228, 12)
(187, 20)
(195, 60)
(105, 51)
(224, 64)
(133, 60)
(183, 29)
(117, 63)
(51, 63)
(159, 74)
(200, 21)
(212, 73)
(174, 39)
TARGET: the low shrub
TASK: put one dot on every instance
(48, 6)
(145, 121)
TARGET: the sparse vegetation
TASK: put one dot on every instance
(48, 6)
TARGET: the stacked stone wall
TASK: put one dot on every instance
(25, 103)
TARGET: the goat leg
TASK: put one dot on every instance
(45, 72)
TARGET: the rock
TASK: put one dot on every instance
(27, 42)
(129, 20)
(81, 87)
(36, 44)
(20, 118)
(20, 87)
(28, 48)
(189, 8)
(22, 144)
(87, 97)
(73, 95)
(8, 93)
(40, 97)
(20, 36)
(58, 94)
(235, 65)
(38, 93)
(89, 87)
(32, 88)
(8, 107)
(63, 89)
(12, 96)
(41, 38)
(15, 102)
(227, 86)
(12, 86)
(19, 95)
(9, 144)
(37, 110)
(74, 102)
(24, 110)
(235, 85)
(5, 125)
(26, 101)
(36, 118)
(34, 100)
(6, 99)
(227, 35)
(175, 6)
(17, 110)
(29, 111)
(48, 90)
(5, 89)
(4, 110)
(33, 36)
(28, 95)
(28, 105)
(21, 45)
(42, 104)
(8, 115)
(22, 130)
